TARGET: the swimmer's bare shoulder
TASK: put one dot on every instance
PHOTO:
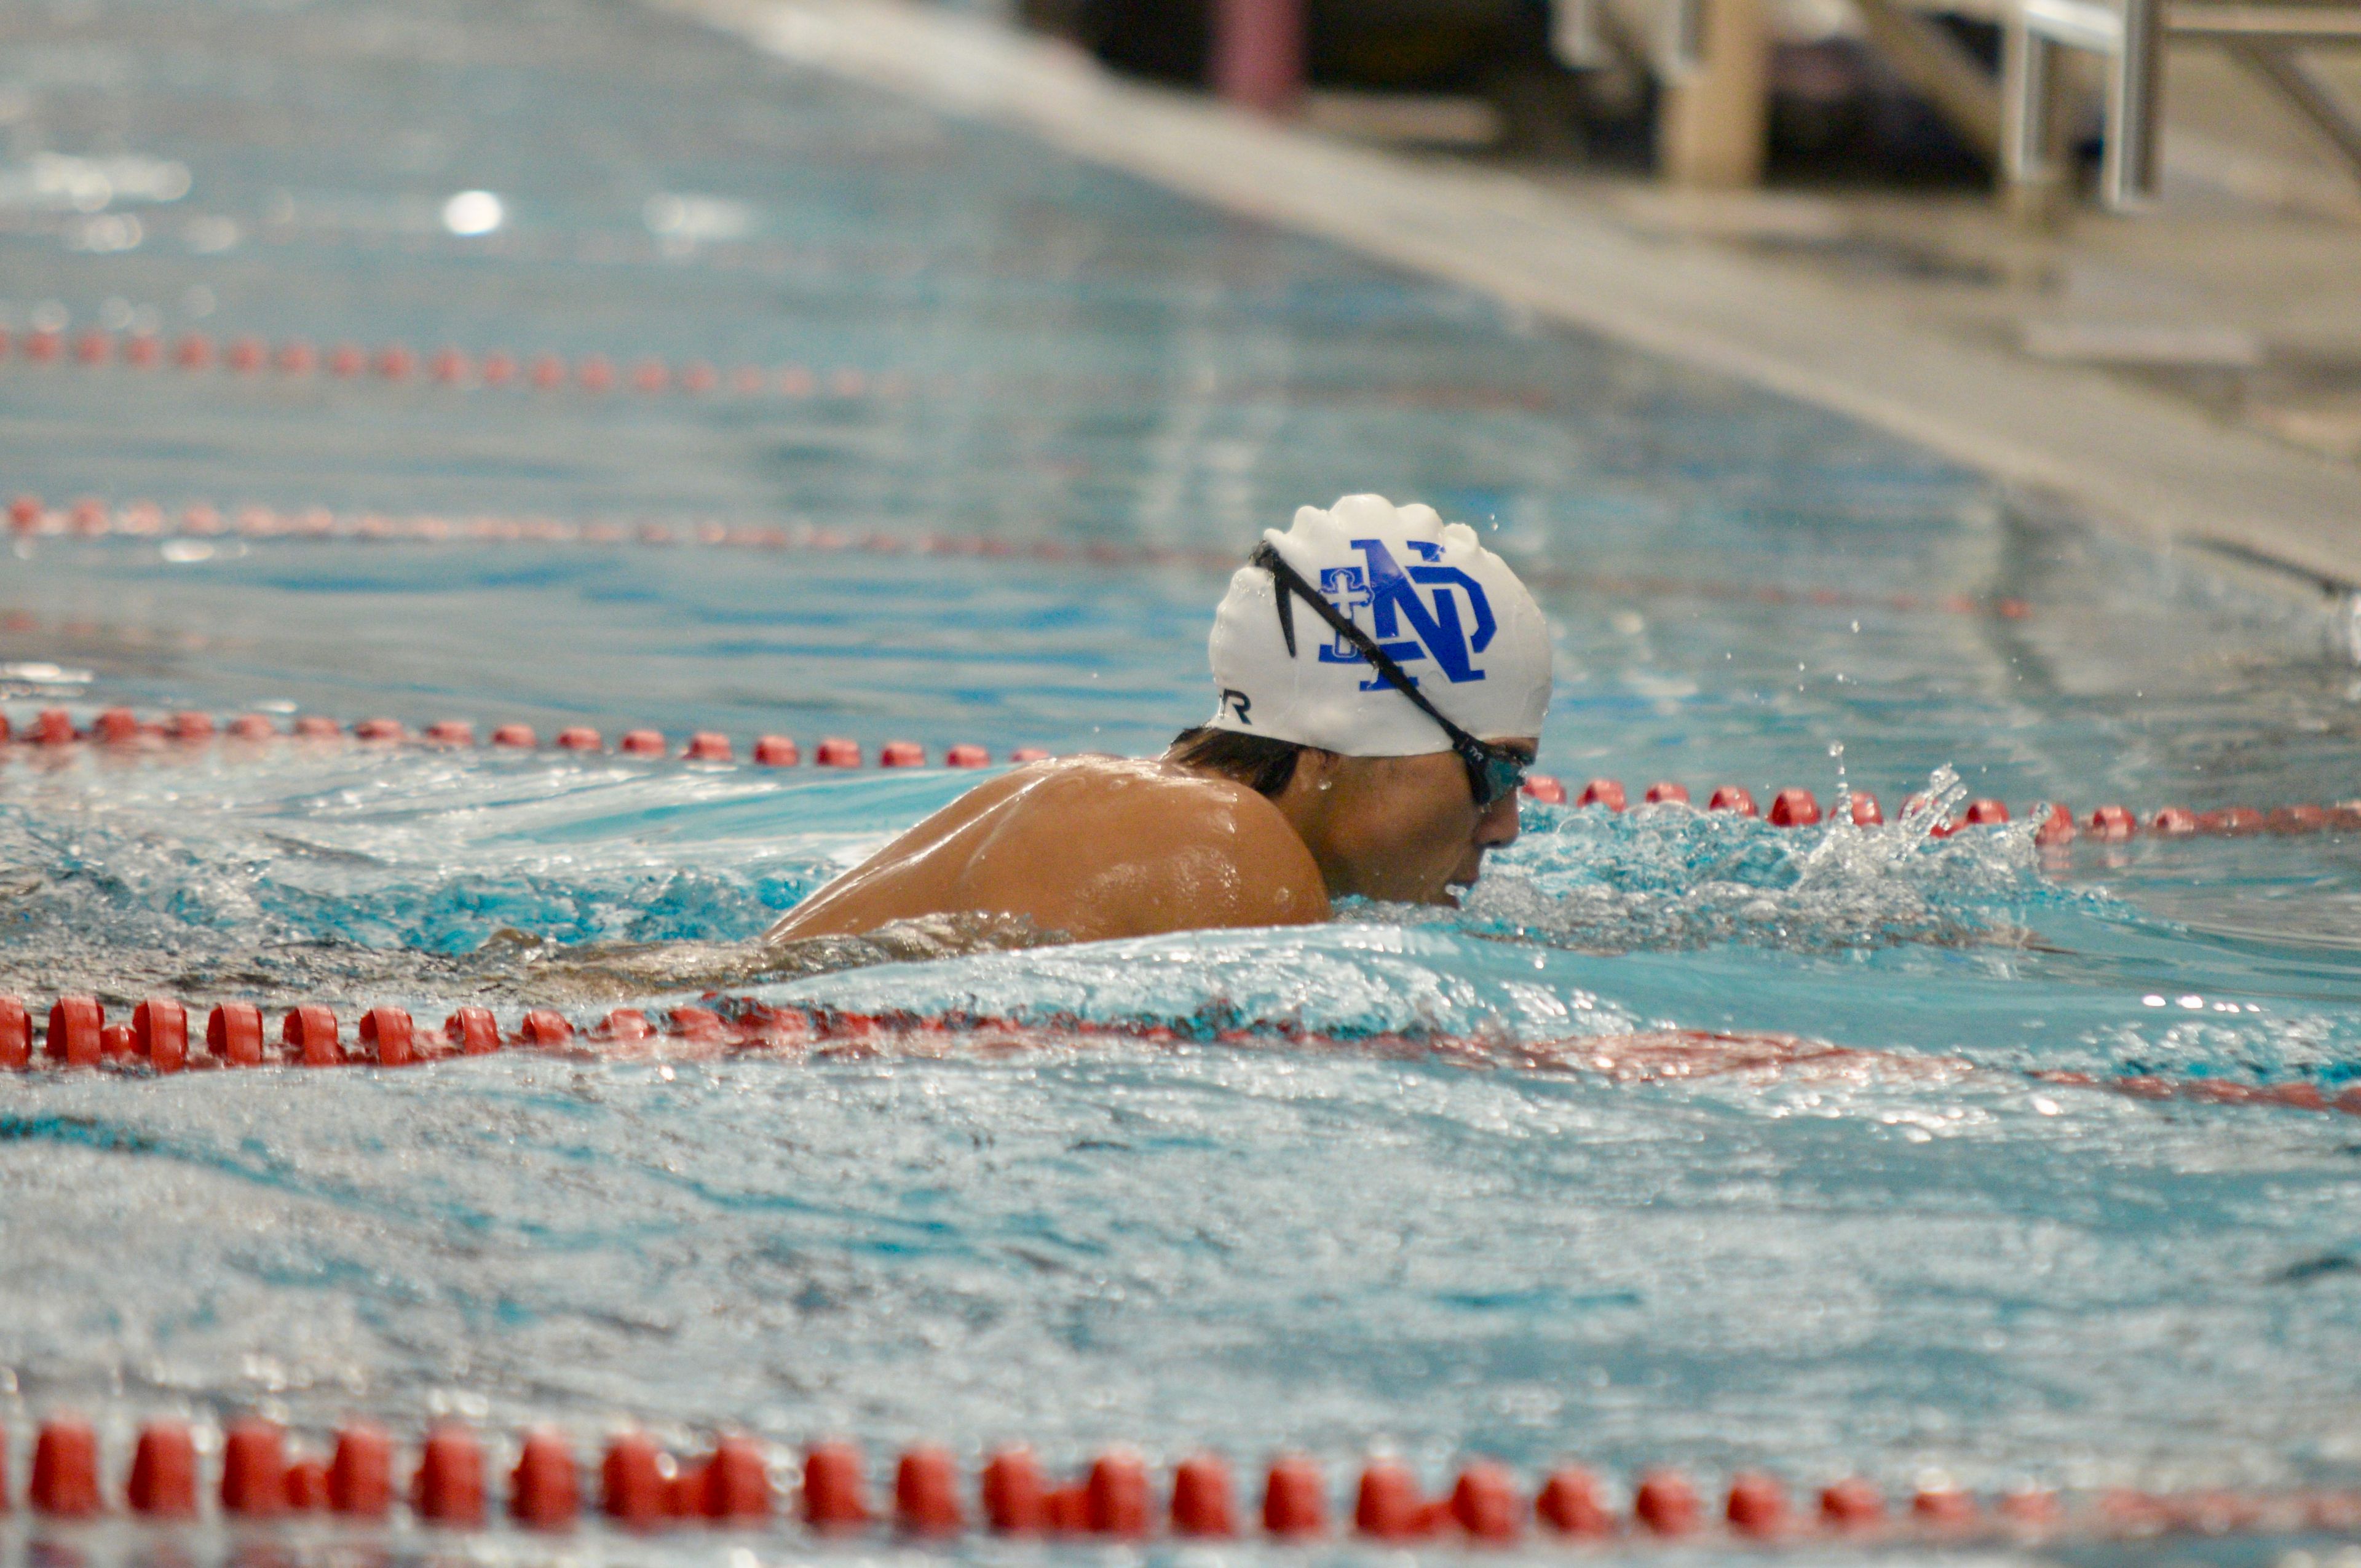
(1090, 847)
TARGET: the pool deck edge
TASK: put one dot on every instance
(2142, 463)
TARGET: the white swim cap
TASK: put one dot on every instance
(1440, 605)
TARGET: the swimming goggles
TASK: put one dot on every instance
(1492, 770)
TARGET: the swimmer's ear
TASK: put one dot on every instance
(1315, 771)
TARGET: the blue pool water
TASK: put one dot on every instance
(1964, 1273)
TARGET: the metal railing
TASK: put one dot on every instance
(2267, 36)
(2270, 37)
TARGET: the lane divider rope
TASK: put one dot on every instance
(117, 731)
(249, 355)
(90, 518)
(256, 360)
(2059, 823)
(159, 1040)
(745, 1483)
(120, 731)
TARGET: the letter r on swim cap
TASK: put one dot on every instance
(1237, 702)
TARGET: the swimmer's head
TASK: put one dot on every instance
(1397, 794)
(1448, 612)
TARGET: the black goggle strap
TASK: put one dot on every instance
(1291, 583)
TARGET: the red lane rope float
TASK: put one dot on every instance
(175, 735)
(90, 518)
(161, 1039)
(2058, 824)
(446, 1479)
(249, 356)
(119, 731)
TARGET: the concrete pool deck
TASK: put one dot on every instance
(1685, 278)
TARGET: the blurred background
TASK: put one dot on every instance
(1803, 92)
(1955, 150)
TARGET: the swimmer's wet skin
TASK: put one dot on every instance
(1368, 747)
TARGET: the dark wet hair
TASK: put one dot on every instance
(1262, 764)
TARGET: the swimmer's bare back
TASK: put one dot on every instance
(1089, 848)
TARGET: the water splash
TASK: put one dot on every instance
(1669, 877)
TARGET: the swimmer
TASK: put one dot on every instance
(1382, 678)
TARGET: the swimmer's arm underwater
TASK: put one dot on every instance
(1090, 849)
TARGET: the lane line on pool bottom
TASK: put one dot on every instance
(158, 1040)
(119, 732)
(744, 1482)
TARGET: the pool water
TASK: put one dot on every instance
(1938, 1265)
